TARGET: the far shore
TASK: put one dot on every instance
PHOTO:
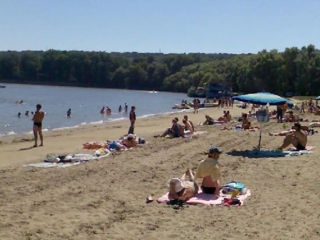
(63, 84)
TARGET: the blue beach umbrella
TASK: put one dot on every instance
(318, 98)
(263, 98)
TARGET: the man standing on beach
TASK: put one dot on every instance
(132, 117)
(279, 113)
(37, 125)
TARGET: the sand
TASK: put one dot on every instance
(105, 199)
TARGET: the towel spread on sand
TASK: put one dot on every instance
(272, 153)
(196, 133)
(206, 199)
(75, 159)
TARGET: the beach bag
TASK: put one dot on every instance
(113, 145)
(141, 141)
(229, 187)
(262, 115)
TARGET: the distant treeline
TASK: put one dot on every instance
(295, 71)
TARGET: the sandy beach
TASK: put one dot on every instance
(105, 198)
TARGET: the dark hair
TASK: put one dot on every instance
(177, 119)
(297, 125)
(39, 106)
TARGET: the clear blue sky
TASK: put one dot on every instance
(211, 26)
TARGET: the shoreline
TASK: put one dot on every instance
(17, 135)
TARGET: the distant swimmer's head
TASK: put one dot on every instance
(38, 106)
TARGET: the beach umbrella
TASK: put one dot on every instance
(263, 98)
(318, 98)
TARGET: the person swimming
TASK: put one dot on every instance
(69, 113)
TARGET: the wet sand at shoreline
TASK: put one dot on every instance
(105, 199)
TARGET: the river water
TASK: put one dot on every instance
(85, 104)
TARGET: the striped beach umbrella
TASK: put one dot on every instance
(263, 98)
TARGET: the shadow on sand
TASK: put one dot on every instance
(27, 148)
(257, 154)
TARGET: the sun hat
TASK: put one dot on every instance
(178, 185)
(214, 150)
(131, 136)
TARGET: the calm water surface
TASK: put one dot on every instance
(85, 104)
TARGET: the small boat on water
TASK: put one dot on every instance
(2, 86)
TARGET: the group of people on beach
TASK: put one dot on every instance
(38, 117)
(310, 106)
(186, 187)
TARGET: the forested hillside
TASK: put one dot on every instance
(294, 70)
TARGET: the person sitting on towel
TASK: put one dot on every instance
(209, 120)
(176, 130)
(183, 188)
(245, 121)
(185, 117)
(290, 117)
(296, 138)
(187, 126)
(224, 118)
(209, 171)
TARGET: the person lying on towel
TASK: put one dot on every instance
(209, 171)
(183, 188)
(296, 138)
(129, 141)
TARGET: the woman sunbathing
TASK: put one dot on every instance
(129, 141)
(224, 117)
(183, 188)
(176, 130)
(297, 138)
(290, 117)
(245, 122)
(209, 120)
(292, 130)
(187, 126)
